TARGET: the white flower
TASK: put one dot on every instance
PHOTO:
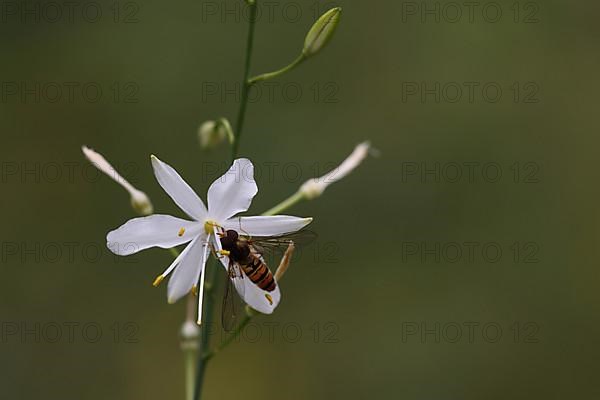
(315, 187)
(227, 196)
(139, 201)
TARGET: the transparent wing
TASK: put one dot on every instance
(278, 244)
(232, 304)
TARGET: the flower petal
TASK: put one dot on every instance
(181, 193)
(155, 230)
(233, 192)
(266, 225)
(260, 300)
(257, 298)
(187, 272)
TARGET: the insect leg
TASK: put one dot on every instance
(285, 261)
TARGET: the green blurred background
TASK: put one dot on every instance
(362, 315)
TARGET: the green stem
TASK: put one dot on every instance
(208, 316)
(275, 74)
(245, 84)
(247, 317)
(287, 203)
(207, 322)
(190, 362)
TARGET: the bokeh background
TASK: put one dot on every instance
(380, 306)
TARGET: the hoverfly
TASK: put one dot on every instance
(246, 261)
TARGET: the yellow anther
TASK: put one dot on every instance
(181, 232)
(195, 290)
(224, 252)
(268, 296)
(209, 226)
(158, 280)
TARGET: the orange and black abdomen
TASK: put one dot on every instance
(257, 271)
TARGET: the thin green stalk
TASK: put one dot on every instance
(245, 84)
(208, 316)
(207, 322)
(275, 74)
(287, 203)
(190, 363)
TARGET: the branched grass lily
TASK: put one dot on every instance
(227, 196)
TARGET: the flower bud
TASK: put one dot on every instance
(141, 203)
(321, 32)
(213, 133)
(190, 332)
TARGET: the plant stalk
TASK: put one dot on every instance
(245, 83)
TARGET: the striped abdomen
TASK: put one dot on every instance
(258, 272)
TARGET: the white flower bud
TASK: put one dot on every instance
(315, 187)
(213, 133)
(321, 32)
(141, 203)
(139, 200)
(190, 330)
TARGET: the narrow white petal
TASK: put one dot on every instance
(266, 225)
(139, 199)
(233, 192)
(315, 187)
(186, 273)
(201, 295)
(181, 193)
(100, 162)
(155, 230)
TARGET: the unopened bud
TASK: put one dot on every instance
(213, 133)
(321, 32)
(141, 203)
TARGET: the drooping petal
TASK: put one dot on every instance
(181, 193)
(233, 192)
(260, 300)
(187, 272)
(155, 230)
(266, 225)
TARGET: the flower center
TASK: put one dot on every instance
(209, 226)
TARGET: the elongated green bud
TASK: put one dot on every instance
(321, 32)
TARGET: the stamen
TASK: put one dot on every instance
(195, 290)
(201, 290)
(224, 252)
(158, 280)
(268, 296)
(209, 226)
(181, 232)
